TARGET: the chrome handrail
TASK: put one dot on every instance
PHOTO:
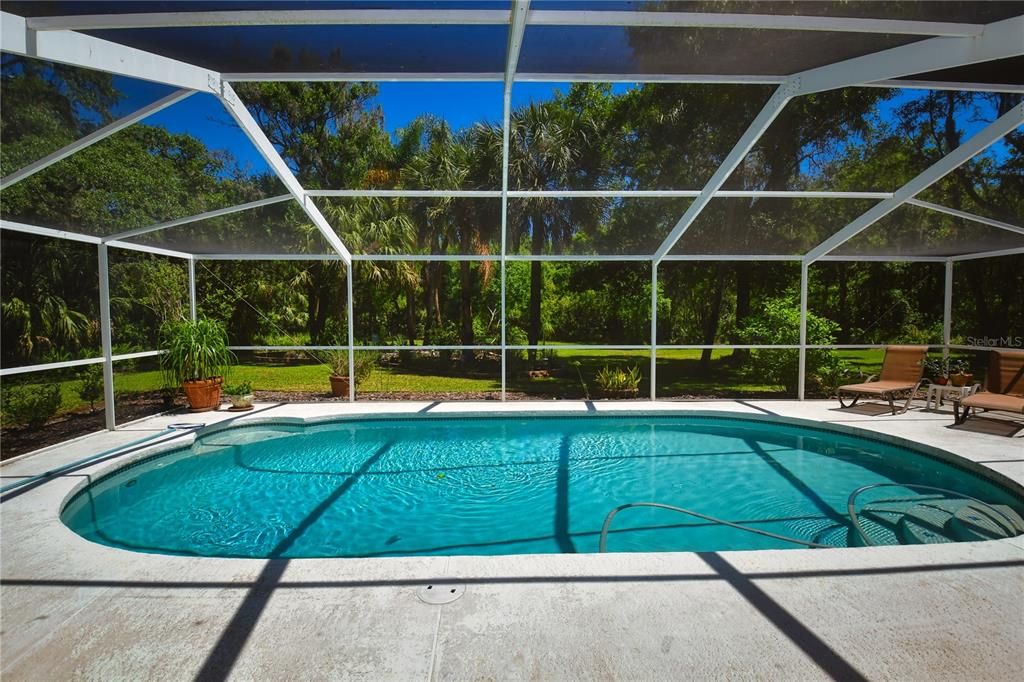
(851, 500)
(603, 546)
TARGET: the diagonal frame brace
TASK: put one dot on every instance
(248, 124)
(94, 137)
(987, 136)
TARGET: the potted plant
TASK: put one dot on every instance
(196, 356)
(959, 374)
(338, 363)
(618, 382)
(938, 370)
(240, 395)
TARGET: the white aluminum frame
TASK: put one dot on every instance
(954, 44)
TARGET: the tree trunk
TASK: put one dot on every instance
(712, 320)
(843, 305)
(536, 285)
(741, 355)
(410, 314)
(466, 313)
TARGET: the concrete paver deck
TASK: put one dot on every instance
(74, 609)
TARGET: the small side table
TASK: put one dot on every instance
(938, 394)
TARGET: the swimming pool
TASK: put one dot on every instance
(496, 484)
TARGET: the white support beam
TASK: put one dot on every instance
(351, 317)
(105, 338)
(592, 193)
(517, 28)
(967, 216)
(946, 85)
(278, 17)
(412, 193)
(947, 164)
(14, 226)
(93, 137)
(989, 254)
(802, 361)
(772, 108)
(999, 40)
(127, 234)
(248, 124)
(369, 17)
(192, 289)
(947, 309)
(145, 248)
(88, 52)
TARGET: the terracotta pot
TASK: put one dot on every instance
(941, 381)
(961, 379)
(203, 395)
(339, 386)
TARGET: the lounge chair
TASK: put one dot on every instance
(902, 370)
(1004, 387)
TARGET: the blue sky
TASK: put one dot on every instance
(461, 104)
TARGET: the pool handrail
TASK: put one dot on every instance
(603, 545)
(852, 499)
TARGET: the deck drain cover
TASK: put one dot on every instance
(440, 593)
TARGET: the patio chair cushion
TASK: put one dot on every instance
(904, 364)
(879, 387)
(995, 401)
(1006, 372)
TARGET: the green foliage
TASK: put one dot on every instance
(239, 389)
(31, 405)
(91, 385)
(194, 350)
(364, 364)
(778, 323)
(616, 379)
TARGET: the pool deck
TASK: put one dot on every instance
(72, 609)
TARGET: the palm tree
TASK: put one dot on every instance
(551, 146)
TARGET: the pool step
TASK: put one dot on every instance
(937, 520)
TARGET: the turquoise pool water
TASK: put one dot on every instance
(501, 485)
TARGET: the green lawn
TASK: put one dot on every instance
(678, 374)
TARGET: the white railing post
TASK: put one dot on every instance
(192, 288)
(351, 334)
(947, 310)
(654, 329)
(802, 371)
(108, 363)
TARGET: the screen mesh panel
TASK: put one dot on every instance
(976, 11)
(321, 48)
(913, 231)
(719, 373)
(146, 291)
(50, 300)
(277, 229)
(645, 50)
(188, 159)
(374, 225)
(607, 226)
(877, 303)
(430, 303)
(47, 106)
(767, 226)
(650, 136)
(862, 139)
(568, 302)
(988, 309)
(704, 303)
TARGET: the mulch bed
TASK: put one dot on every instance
(15, 441)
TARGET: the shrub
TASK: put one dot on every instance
(778, 323)
(338, 362)
(91, 387)
(31, 405)
(242, 388)
(618, 378)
